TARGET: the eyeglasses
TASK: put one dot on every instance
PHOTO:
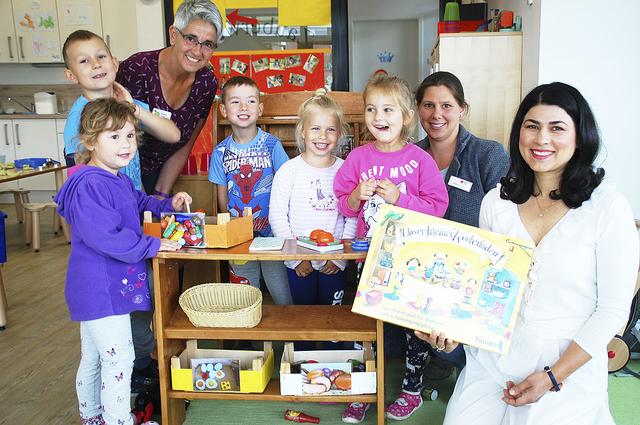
(191, 41)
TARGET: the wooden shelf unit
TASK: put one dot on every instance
(279, 323)
(280, 111)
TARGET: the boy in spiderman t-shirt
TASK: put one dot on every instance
(242, 168)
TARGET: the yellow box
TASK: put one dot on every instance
(256, 367)
(219, 232)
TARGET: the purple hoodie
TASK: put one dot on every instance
(107, 273)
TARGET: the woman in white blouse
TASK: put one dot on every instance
(581, 280)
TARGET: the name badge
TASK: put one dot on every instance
(460, 183)
(162, 114)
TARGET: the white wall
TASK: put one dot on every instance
(425, 11)
(581, 46)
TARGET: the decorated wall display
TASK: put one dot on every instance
(428, 273)
(274, 71)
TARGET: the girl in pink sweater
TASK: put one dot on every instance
(389, 170)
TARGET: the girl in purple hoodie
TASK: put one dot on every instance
(107, 273)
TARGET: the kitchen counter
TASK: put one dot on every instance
(33, 116)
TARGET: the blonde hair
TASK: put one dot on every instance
(106, 114)
(320, 101)
(398, 89)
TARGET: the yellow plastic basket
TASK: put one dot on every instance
(222, 305)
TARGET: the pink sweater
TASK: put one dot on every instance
(412, 170)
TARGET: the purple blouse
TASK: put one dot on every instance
(139, 74)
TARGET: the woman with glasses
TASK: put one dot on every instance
(178, 84)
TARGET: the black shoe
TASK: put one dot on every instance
(437, 369)
(146, 378)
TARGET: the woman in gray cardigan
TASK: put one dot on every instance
(470, 167)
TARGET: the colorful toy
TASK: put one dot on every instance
(185, 228)
(300, 417)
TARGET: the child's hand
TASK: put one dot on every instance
(180, 200)
(304, 269)
(168, 245)
(363, 192)
(330, 268)
(388, 191)
(121, 93)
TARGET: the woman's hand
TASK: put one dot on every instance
(304, 269)
(438, 341)
(388, 191)
(363, 192)
(168, 245)
(528, 391)
(180, 201)
(121, 93)
(330, 268)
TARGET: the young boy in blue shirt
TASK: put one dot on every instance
(89, 64)
(242, 167)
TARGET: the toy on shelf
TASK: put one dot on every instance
(300, 417)
(185, 228)
(217, 232)
(321, 241)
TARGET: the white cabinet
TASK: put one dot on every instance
(489, 65)
(36, 26)
(79, 15)
(30, 138)
(8, 44)
(6, 149)
(119, 27)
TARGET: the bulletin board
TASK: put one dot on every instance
(274, 71)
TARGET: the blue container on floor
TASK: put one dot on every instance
(3, 241)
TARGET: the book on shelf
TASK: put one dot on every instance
(308, 243)
(266, 244)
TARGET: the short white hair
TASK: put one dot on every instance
(198, 9)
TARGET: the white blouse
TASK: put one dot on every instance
(583, 271)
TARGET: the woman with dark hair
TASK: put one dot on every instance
(471, 167)
(581, 280)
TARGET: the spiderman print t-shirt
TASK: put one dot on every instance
(247, 170)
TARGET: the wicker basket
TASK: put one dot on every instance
(222, 305)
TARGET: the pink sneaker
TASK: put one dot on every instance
(355, 412)
(404, 406)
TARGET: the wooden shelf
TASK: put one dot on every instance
(312, 323)
(290, 251)
(271, 393)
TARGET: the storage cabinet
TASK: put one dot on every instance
(279, 323)
(120, 27)
(30, 138)
(78, 14)
(489, 65)
(33, 31)
(36, 25)
(8, 44)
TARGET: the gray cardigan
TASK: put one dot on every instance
(481, 162)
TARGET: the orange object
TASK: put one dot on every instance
(325, 237)
(315, 233)
(506, 19)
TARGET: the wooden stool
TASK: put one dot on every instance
(20, 197)
(32, 227)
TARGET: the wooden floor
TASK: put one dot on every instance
(40, 348)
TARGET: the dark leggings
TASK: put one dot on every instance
(418, 351)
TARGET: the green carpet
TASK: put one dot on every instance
(623, 393)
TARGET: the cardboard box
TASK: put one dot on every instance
(361, 382)
(256, 367)
(219, 232)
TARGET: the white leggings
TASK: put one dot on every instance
(103, 381)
